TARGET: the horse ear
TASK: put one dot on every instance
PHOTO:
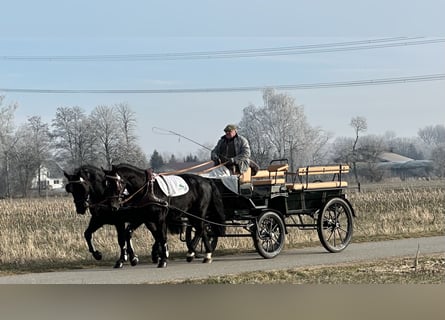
(66, 174)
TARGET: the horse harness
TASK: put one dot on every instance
(148, 194)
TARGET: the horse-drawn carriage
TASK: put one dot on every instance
(266, 205)
(262, 206)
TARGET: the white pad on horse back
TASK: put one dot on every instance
(172, 186)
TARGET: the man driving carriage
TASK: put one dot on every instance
(233, 149)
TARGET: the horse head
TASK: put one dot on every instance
(87, 185)
(115, 188)
(80, 189)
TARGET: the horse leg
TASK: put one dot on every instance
(93, 225)
(120, 228)
(200, 235)
(162, 239)
(156, 248)
(134, 260)
(209, 250)
(191, 246)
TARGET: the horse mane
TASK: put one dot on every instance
(129, 167)
(89, 170)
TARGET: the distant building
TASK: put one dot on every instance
(404, 167)
(51, 177)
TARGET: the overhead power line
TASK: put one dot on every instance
(242, 53)
(320, 85)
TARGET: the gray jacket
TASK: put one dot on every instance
(242, 152)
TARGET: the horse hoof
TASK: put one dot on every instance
(155, 259)
(134, 261)
(162, 264)
(97, 255)
(119, 265)
(207, 260)
(189, 259)
(125, 258)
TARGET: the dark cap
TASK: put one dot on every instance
(230, 127)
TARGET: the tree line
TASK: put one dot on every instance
(74, 138)
(278, 129)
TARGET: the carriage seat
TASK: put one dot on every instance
(274, 174)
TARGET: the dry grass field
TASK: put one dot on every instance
(47, 234)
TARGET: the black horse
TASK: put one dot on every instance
(201, 204)
(88, 186)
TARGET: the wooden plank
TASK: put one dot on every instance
(268, 182)
(326, 185)
(317, 185)
(295, 186)
(323, 170)
(278, 167)
(266, 174)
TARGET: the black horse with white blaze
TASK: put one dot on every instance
(202, 205)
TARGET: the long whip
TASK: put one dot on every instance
(158, 130)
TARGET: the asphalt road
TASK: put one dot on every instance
(223, 265)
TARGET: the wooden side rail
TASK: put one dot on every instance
(262, 174)
(274, 174)
(317, 185)
(323, 170)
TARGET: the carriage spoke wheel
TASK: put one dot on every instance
(334, 225)
(194, 240)
(270, 235)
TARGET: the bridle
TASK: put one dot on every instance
(120, 187)
(86, 185)
(86, 200)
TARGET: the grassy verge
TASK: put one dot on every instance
(428, 269)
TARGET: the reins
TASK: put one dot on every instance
(134, 194)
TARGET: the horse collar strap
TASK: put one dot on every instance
(150, 175)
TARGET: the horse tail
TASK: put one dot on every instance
(217, 214)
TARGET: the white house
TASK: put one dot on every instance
(51, 177)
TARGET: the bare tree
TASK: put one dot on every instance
(279, 129)
(8, 139)
(129, 151)
(432, 135)
(341, 150)
(438, 158)
(105, 126)
(127, 123)
(74, 137)
(251, 126)
(434, 138)
(359, 125)
(25, 161)
(33, 149)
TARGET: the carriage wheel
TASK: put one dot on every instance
(195, 241)
(334, 225)
(270, 236)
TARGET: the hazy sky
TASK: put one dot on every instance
(62, 32)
